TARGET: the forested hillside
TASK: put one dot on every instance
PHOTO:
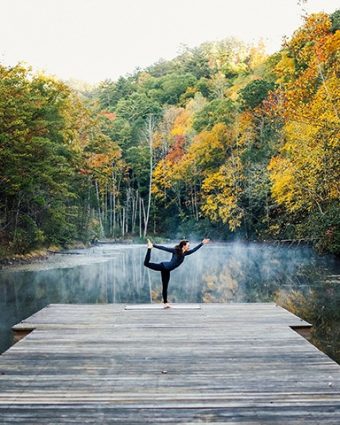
(221, 141)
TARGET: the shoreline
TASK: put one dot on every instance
(34, 256)
(43, 254)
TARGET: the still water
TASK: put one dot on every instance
(296, 278)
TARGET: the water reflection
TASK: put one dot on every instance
(296, 278)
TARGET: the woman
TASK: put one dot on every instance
(178, 253)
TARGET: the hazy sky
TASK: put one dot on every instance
(92, 40)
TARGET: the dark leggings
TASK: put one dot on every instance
(165, 274)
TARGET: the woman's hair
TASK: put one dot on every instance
(179, 247)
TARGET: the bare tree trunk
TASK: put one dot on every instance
(195, 203)
(126, 220)
(105, 210)
(132, 212)
(123, 222)
(178, 200)
(134, 209)
(192, 202)
(114, 205)
(99, 212)
(140, 215)
(127, 209)
(149, 133)
(17, 218)
(110, 213)
(88, 211)
(143, 210)
(154, 222)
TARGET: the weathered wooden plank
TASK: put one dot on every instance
(234, 363)
(111, 415)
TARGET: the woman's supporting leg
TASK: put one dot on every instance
(165, 273)
(165, 282)
(153, 266)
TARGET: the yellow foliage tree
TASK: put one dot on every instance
(305, 174)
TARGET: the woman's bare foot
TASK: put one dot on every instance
(149, 244)
(166, 305)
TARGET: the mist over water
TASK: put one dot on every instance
(294, 277)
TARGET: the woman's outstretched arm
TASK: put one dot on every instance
(191, 251)
(164, 248)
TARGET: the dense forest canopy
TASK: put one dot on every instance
(221, 141)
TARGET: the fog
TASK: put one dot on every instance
(294, 277)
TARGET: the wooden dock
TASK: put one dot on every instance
(220, 363)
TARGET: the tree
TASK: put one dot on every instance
(37, 157)
(304, 173)
(255, 92)
(216, 111)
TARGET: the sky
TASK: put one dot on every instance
(94, 40)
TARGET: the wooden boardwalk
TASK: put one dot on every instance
(221, 363)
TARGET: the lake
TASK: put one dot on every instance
(294, 277)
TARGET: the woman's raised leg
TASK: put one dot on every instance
(153, 266)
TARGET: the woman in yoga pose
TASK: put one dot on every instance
(178, 253)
